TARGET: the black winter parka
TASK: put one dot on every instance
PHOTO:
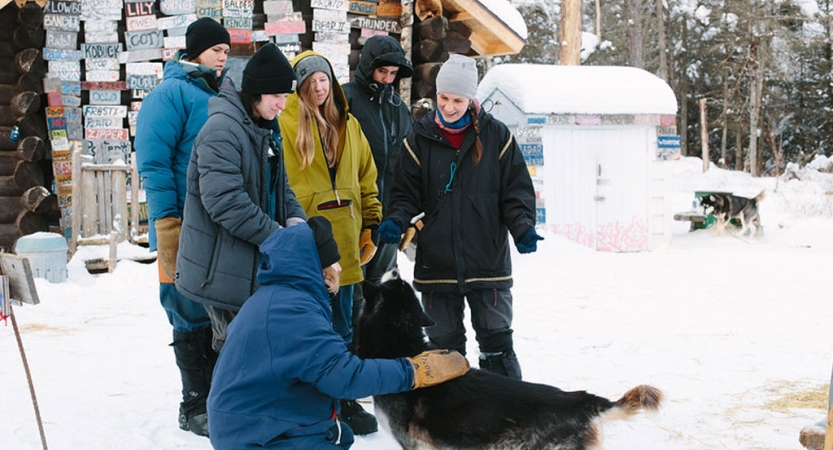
(469, 209)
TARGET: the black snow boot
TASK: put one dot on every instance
(195, 359)
(360, 421)
(504, 363)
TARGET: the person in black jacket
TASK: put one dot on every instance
(465, 171)
(385, 121)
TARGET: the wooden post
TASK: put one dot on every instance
(114, 242)
(704, 134)
(570, 54)
(828, 435)
(134, 199)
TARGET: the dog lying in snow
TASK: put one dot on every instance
(726, 207)
(479, 410)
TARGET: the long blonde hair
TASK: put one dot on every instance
(328, 125)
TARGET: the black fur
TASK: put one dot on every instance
(479, 410)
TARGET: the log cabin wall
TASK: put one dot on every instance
(76, 71)
(26, 203)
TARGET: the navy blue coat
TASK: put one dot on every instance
(283, 367)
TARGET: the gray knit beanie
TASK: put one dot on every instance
(309, 65)
(458, 76)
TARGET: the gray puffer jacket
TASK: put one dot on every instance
(227, 207)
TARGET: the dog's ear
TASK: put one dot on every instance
(371, 292)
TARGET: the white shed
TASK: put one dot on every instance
(593, 137)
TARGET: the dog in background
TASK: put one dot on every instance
(726, 207)
(480, 410)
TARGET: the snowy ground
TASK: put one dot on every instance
(735, 332)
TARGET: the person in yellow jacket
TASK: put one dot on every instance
(332, 172)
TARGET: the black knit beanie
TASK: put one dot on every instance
(268, 72)
(204, 34)
(322, 232)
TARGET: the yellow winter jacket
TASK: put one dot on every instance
(351, 203)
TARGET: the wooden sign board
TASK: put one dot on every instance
(139, 40)
(177, 7)
(53, 99)
(111, 134)
(178, 31)
(277, 7)
(140, 8)
(94, 15)
(70, 100)
(147, 54)
(101, 36)
(238, 8)
(105, 97)
(260, 36)
(366, 34)
(61, 54)
(331, 37)
(145, 68)
(66, 70)
(106, 50)
(169, 53)
(388, 25)
(163, 23)
(107, 151)
(131, 117)
(21, 281)
(59, 145)
(140, 23)
(117, 85)
(139, 93)
(56, 123)
(290, 24)
(210, 11)
(105, 111)
(102, 75)
(331, 4)
(103, 122)
(62, 22)
(362, 8)
(290, 48)
(61, 39)
(286, 38)
(107, 25)
(173, 42)
(237, 23)
(101, 64)
(240, 36)
(62, 7)
(54, 111)
(87, 5)
(145, 82)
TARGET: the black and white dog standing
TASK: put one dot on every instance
(480, 410)
(726, 207)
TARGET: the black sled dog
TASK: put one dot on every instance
(726, 207)
(479, 410)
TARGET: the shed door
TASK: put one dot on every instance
(596, 185)
(621, 189)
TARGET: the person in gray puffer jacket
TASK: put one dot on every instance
(238, 192)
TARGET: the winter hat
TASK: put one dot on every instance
(268, 72)
(384, 50)
(322, 232)
(204, 34)
(458, 76)
(311, 64)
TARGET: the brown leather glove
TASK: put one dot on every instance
(367, 248)
(409, 235)
(167, 244)
(438, 366)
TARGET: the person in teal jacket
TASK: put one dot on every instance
(169, 120)
(284, 368)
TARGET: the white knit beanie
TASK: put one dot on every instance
(458, 76)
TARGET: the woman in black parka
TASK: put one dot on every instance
(464, 170)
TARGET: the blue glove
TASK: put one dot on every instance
(529, 242)
(389, 232)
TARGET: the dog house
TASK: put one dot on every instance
(594, 138)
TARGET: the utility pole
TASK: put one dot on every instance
(570, 42)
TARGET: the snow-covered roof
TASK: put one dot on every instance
(550, 89)
(507, 13)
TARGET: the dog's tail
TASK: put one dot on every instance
(760, 196)
(639, 398)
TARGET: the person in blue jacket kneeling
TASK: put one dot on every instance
(283, 369)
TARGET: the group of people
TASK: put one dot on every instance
(271, 203)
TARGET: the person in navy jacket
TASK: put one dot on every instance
(283, 368)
